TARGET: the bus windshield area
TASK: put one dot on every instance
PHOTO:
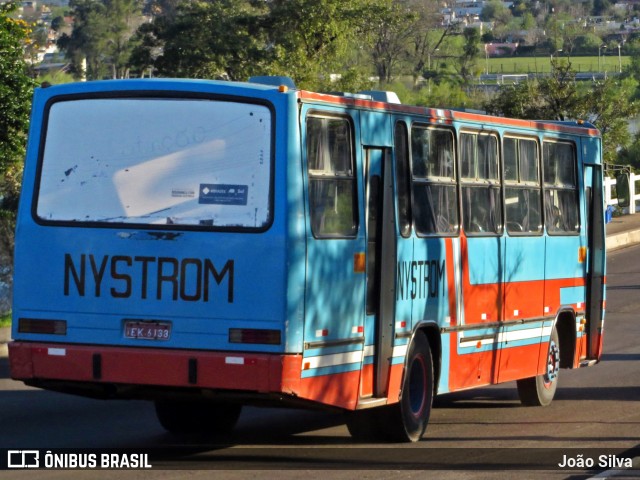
(157, 161)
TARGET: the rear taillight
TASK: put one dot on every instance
(38, 325)
(255, 336)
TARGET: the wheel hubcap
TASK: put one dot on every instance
(553, 363)
(417, 386)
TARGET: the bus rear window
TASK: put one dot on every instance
(178, 162)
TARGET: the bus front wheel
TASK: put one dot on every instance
(197, 417)
(539, 391)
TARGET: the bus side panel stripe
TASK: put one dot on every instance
(519, 362)
(340, 390)
(395, 382)
(366, 389)
(443, 383)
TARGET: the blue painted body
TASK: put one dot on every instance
(284, 278)
(269, 272)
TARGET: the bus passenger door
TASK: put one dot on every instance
(381, 264)
(335, 270)
(595, 283)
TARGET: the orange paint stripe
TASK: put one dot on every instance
(446, 116)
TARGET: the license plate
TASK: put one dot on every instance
(147, 330)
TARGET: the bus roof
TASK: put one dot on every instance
(362, 100)
(448, 116)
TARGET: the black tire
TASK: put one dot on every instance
(416, 397)
(407, 420)
(539, 391)
(197, 416)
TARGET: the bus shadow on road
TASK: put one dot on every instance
(4, 368)
(620, 357)
(500, 397)
(273, 426)
(623, 393)
(490, 397)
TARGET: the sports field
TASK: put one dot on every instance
(543, 64)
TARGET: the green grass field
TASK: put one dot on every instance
(5, 320)
(509, 65)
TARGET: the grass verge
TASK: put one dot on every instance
(5, 319)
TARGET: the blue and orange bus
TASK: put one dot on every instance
(208, 245)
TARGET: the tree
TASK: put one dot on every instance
(528, 21)
(101, 35)
(587, 43)
(164, 8)
(552, 98)
(57, 23)
(601, 7)
(608, 105)
(125, 16)
(16, 88)
(554, 27)
(520, 8)
(492, 10)
(633, 69)
(466, 64)
(495, 11)
(392, 30)
(630, 155)
(218, 40)
(85, 41)
(308, 40)
(559, 93)
(404, 37)
(427, 40)
(147, 48)
(311, 39)
(519, 100)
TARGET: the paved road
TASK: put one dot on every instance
(596, 409)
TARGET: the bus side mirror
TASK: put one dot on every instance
(622, 189)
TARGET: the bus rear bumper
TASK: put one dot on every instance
(41, 363)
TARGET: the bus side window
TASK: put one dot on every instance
(560, 189)
(332, 186)
(403, 181)
(522, 186)
(480, 180)
(435, 203)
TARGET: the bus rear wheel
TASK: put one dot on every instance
(539, 391)
(177, 416)
(405, 421)
(416, 398)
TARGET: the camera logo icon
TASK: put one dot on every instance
(23, 459)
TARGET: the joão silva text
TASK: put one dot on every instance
(604, 461)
